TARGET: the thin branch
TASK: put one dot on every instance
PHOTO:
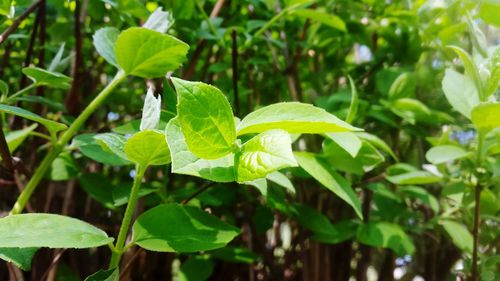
(17, 22)
(475, 233)
(126, 268)
(235, 71)
(52, 264)
(197, 192)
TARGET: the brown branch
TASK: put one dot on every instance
(73, 99)
(5, 152)
(197, 192)
(17, 22)
(31, 46)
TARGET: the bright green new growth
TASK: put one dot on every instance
(486, 116)
(177, 228)
(48, 230)
(146, 53)
(264, 154)
(206, 119)
(147, 148)
(293, 117)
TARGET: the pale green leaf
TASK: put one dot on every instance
(460, 92)
(150, 111)
(459, 234)
(185, 162)
(386, 235)
(314, 166)
(445, 153)
(52, 126)
(104, 42)
(350, 142)
(264, 154)
(486, 116)
(177, 228)
(49, 230)
(353, 107)
(377, 142)
(403, 87)
(42, 77)
(147, 148)
(470, 70)
(414, 177)
(15, 138)
(489, 11)
(113, 143)
(147, 53)
(98, 150)
(282, 180)
(293, 117)
(159, 20)
(206, 119)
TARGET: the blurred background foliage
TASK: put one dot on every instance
(417, 216)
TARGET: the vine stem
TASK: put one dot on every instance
(477, 208)
(56, 149)
(127, 217)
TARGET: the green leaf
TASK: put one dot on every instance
(185, 162)
(20, 257)
(377, 142)
(113, 143)
(293, 117)
(147, 148)
(99, 187)
(386, 235)
(104, 42)
(206, 119)
(494, 79)
(348, 141)
(52, 126)
(235, 255)
(411, 110)
(48, 230)
(312, 219)
(421, 194)
(459, 234)
(63, 168)
(281, 180)
(151, 111)
(470, 70)
(121, 192)
(414, 177)
(105, 275)
(445, 153)
(93, 149)
(15, 138)
(403, 87)
(147, 53)
(42, 77)
(460, 92)
(319, 170)
(177, 228)
(486, 116)
(338, 232)
(4, 88)
(353, 107)
(322, 17)
(159, 20)
(264, 154)
(489, 11)
(366, 160)
(196, 269)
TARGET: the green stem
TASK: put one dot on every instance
(65, 138)
(127, 217)
(21, 92)
(475, 275)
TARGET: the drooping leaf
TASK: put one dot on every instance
(104, 275)
(459, 234)
(486, 116)
(366, 159)
(264, 154)
(206, 119)
(146, 53)
(353, 107)
(42, 77)
(386, 235)
(281, 180)
(15, 138)
(460, 92)
(293, 117)
(328, 19)
(20, 257)
(377, 142)
(52, 126)
(319, 170)
(49, 230)
(445, 153)
(235, 255)
(98, 150)
(185, 162)
(470, 70)
(114, 143)
(104, 42)
(150, 111)
(147, 148)
(348, 141)
(414, 177)
(421, 194)
(197, 268)
(177, 228)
